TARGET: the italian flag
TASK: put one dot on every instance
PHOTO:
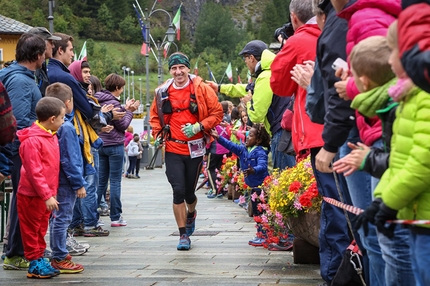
(166, 49)
(83, 53)
(238, 76)
(229, 72)
(177, 22)
(196, 66)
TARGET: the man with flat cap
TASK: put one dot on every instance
(42, 74)
(184, 111)
(263, 106)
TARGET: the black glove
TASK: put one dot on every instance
(385, 213)
(367, 216)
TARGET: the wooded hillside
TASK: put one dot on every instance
(214, 29)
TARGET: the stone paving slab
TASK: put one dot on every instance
(144, 252)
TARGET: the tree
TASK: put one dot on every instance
(104, 17)
(271, 21)
(215, 28)
(39, 19)
(129, 31)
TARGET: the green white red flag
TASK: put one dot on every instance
(177, 22)
(229, 72)
(83, 53)
(196, 66)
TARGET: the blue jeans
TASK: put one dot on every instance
(374, 181)
(333, 236)
(280, 159)
(60, 220)
(396, 254)
(359, 186)
(420, 253)
(111, 159)
(85, 210)
(395, 251)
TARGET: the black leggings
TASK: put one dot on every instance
(183, 173)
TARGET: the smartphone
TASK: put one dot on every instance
(339, 63)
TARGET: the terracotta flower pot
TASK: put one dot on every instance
(306, 226)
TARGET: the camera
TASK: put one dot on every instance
(285, 31)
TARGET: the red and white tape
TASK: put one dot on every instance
(358, 211)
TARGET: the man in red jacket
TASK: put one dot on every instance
(298, 48)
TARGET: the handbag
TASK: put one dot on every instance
(285, 143)
(97, 121)
(315, 104)
(350, 271)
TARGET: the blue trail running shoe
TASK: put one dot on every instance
(38, 269)
(257, 241)
(191, 224)
(184, 242)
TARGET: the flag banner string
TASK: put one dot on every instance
(358, 211)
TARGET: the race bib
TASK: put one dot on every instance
(197, 148)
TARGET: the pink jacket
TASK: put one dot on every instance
(367, 18)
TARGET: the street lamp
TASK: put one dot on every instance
(128, 74)
(140, 95)
(170, 34)
(50, 16)
(132, 81)
(124, 68)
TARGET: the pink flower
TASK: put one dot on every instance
(297, 205)
(242, 200)
(254, 196)
(264, 219)
(262, 196)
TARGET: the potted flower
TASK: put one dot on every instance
(292, 202)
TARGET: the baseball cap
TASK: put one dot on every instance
(44, 33)
(255, 47)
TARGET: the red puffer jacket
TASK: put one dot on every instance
(414, 43)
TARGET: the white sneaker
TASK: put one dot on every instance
(100, 223)
(119, 222)
(74, 247)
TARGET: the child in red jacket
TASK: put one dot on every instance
(40, 155)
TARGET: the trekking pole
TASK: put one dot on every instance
(164, 134)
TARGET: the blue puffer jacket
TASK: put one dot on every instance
(117, 135)
(58, 72)
(24, 95)
(256, 158)
(71, 160)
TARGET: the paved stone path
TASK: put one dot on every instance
(144, 252)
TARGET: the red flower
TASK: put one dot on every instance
(267, 181)
(305, 201)
(295, 187)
